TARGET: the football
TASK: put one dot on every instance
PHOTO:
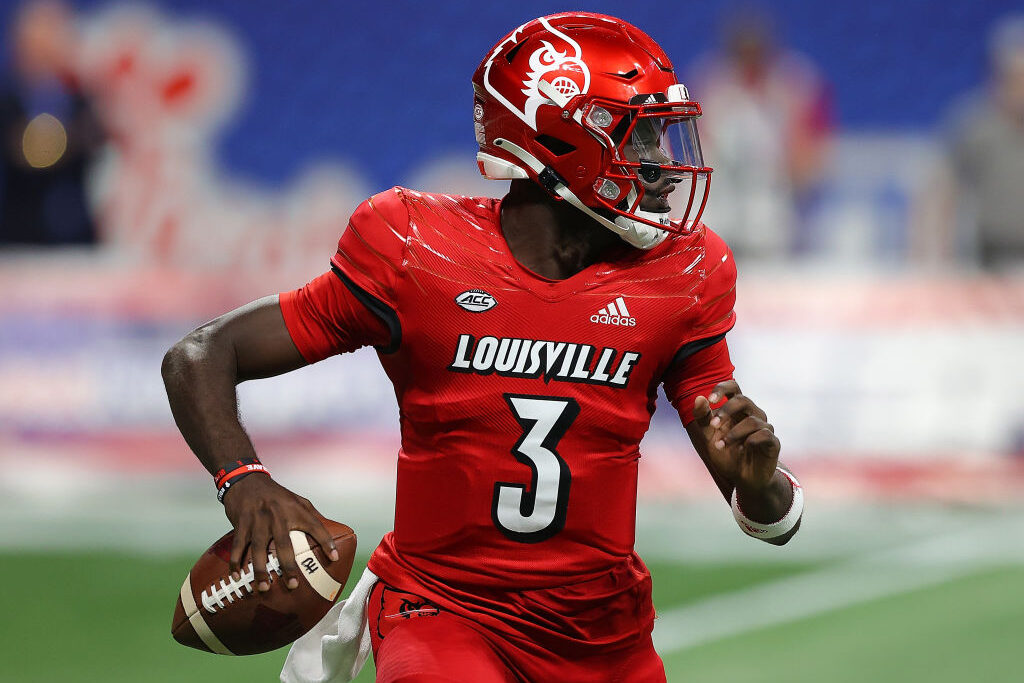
(218, 613)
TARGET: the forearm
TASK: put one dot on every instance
(201, 371)
(200, 374)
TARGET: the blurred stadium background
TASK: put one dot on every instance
(229, 141)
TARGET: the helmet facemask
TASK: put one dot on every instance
(655, 178)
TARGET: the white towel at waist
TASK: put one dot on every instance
(335, 650)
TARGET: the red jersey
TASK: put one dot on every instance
(523, 400)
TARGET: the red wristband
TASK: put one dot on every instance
(232, 467)
(244, 469)
(237, 475)
(240, 469)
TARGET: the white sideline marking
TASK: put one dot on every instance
(868, 577)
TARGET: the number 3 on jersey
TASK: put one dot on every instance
(534, 513)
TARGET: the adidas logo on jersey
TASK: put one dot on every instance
(614, 313)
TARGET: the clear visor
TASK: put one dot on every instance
(666, 141)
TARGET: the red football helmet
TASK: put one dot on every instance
(589, 107)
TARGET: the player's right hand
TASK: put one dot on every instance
(262, 510)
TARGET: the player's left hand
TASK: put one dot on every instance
(741, 444)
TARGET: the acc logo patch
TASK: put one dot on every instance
(476, 301)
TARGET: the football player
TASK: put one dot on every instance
(526, 338)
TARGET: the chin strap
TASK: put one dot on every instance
(635, 233)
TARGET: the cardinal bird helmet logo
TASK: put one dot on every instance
(558, 63)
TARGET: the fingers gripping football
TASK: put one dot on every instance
(262, 511)
(740, 441)
(229, 615)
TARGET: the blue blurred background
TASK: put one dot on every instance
(363, 82)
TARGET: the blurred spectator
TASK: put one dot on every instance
(766, 132)
(973, 208)
(48, 133)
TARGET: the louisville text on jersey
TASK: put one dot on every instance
(551, 360)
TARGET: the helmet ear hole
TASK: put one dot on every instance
(554, 145)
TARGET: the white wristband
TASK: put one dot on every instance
(775, 529)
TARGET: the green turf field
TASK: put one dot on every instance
(81, 617)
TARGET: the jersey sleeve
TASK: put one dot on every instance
(702, 360)
(372, 249)
(325, 318)
(697, 374)
(718, 296)
(357, 303)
